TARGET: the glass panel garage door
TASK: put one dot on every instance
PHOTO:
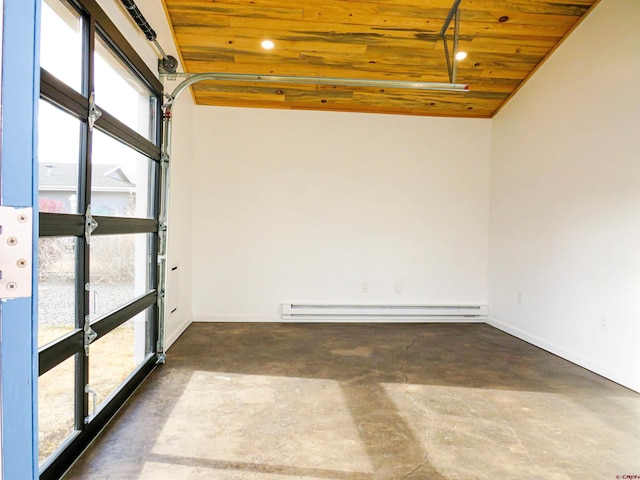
(99, 133)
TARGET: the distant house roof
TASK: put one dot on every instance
(64, 177)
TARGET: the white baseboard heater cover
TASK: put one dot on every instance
(310, 311)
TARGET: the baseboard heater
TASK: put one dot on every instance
(415, 313)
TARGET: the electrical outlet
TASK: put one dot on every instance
(398, 287)
(365, 287)
(520, 298)
(603, 322)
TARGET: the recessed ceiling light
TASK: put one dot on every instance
(268, 44)
(461, 55)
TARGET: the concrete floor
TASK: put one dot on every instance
(367, 402)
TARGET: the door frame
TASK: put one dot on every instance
(18, 349)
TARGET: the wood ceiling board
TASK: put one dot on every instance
(198, 18)
(198, 66)
(369, 39)
(529, 46)
(574, 8)
(243, 40)
(251, 36)
(475, 15)
(360, 98)
(225, 9)
(356, 33)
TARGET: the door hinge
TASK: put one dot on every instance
(16, 251)
(89, 335)
(94, 112)
(90, 225)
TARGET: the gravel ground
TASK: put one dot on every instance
(56, 299)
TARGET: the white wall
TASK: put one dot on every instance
(565, 200)
(181, 159)
(180, 217)
(305, 206)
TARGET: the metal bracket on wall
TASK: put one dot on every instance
(168, 64)
(16, 250)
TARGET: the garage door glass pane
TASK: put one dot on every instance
(118, 267)
(115, 356)
(55, 407)
(61, 42)
(122, 94)
(58, 160)
(119, 179)
(56, 287)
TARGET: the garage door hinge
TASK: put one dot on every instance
(94, 112)
(16, 250)
(89, 225)
(160, 299)
(89, 335)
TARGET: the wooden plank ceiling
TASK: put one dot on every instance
(370, 39)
